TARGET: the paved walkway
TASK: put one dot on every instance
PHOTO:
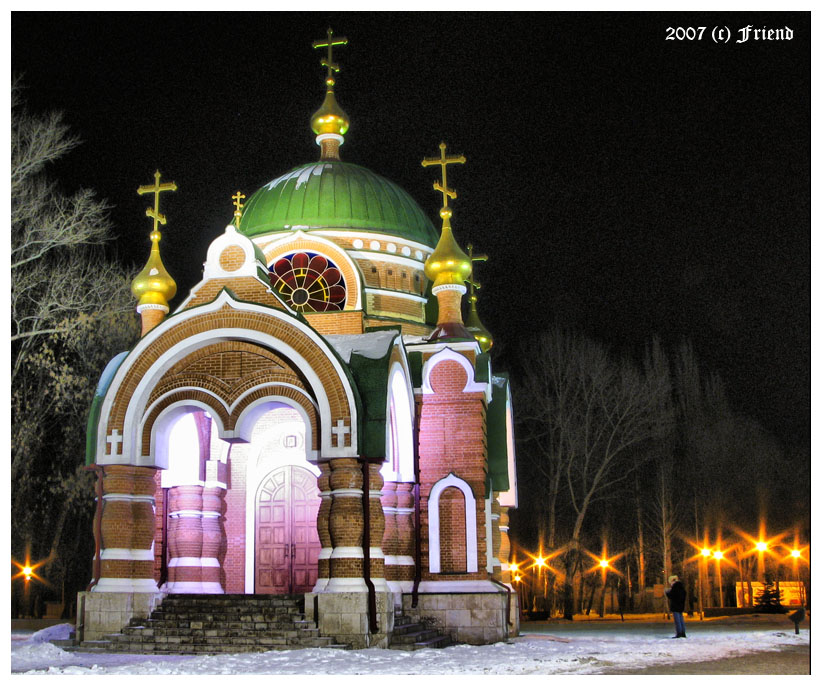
(793, 660)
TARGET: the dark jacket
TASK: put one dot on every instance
(677, 597)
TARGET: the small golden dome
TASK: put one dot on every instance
(154, 285)
(448, 264)
(476, 328)
(330, 118)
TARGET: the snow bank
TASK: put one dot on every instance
(586, 652)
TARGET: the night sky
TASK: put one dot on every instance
(620, 182)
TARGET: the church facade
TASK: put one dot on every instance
(300, 424)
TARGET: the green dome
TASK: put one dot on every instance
(334, 194)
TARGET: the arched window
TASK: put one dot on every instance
(440, 535)
(399, 465)
(308, 282)
(452, 531)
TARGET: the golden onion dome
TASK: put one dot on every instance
(330, 118)
(154, 285)
(448, 264)
(476, 328)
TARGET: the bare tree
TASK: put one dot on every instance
(598, 411)
(58, 279)
(71, 311)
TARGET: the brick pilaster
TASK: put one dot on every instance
(185, 538)
(377, 528)
(127, 530)
(323, 532)
(346, 526)
(404, 568)
(505, 545)
(390, 545)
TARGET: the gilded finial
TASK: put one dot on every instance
(448, 264)
(330, 122)
(473, 324)
(154, 286)
(238, 207)
(327, 61)
(157, 189)
(444, 160)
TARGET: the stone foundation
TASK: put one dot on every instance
(104, 613)
(345, 617)
(469, 618)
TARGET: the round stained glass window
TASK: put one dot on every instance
(308, 282)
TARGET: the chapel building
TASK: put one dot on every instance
(300, 423)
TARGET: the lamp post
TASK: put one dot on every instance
(604, 567)
(718, 557)
(701, 571)
(541, 563)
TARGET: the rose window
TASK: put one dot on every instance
(308, 282)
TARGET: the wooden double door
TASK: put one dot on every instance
(286, 540)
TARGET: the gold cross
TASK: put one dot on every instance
(443, 160)
(327, 61)
(157, 189)
(238, 207)
(473, 259)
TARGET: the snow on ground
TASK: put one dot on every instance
(577, 648)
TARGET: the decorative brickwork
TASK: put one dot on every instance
(404, 570)
(406, 327)
(150, 317)
(505, 546)
(390, 543)
(346, 520)
(127, 529)
(389, 306)
(376, 526)
(230, 318)
(323, 525)
(452, 531)
(232, 258)
(452, 441)
(249, 289)
(346, 322)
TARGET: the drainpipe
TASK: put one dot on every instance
(416, 491)
(164, 546)
(98, 524)
(367, 548)
(508, 600)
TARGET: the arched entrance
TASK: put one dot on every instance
(286, 540)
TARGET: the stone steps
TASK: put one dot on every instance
(214, 624)
(409, 635)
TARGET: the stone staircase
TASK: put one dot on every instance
(215, 624)
(409, 635)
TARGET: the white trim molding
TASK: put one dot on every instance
(132, 432)
(434, 522)
(448, 354)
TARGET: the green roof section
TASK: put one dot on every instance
(331, 194)
(96, 403)
(367, 359)
(496, 434)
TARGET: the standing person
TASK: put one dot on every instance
(677, 604)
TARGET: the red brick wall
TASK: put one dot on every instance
(234, 562)
(452, 440)
(452, 531)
